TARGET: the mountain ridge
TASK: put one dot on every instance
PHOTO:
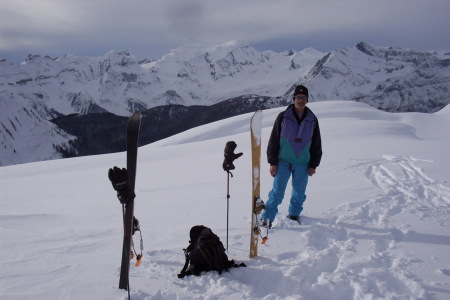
(388, 78)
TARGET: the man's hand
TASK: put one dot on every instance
(311, 171)
(273, 170)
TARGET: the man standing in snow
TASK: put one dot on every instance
(294, 148)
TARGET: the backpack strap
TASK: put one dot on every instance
(186, 264)
(237, 265)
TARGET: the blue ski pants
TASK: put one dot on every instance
(299, 181)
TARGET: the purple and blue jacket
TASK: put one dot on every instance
(295, 139)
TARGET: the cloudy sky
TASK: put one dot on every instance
(151, 28)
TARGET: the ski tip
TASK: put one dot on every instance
(257, 116)
(137, 115)
(264, 240)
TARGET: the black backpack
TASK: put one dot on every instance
(205, 253)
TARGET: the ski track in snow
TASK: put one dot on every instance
(327, 247)
(405, 186)
(405, 189)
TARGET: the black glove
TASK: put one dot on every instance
(230, 156)
(119, 180)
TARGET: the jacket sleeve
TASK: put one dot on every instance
(316, 147)
(273, 147)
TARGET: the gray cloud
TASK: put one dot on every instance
(150, 28)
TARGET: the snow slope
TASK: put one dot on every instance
(376, 221)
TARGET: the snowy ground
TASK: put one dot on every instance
(376, 221)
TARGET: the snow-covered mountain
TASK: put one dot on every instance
(26, 136)
(203, 75)
(392, 79)
(189, 75)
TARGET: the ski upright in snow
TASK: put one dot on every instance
(133, 127)
(257, 204)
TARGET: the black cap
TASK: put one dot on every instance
(301, 89)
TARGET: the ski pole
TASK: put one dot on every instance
(228, 201)
(229, 157)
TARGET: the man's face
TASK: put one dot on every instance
(300, 100)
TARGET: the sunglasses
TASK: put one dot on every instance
(304, 98)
